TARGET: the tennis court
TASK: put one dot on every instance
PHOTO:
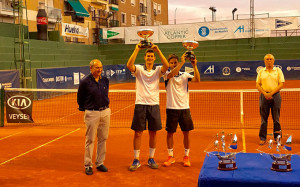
(50, 152)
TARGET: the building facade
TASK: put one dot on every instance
(90, 15)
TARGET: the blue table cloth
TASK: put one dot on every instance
(253, 170)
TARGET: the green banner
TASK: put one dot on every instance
(111, 34)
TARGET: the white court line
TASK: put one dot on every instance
(39, 147)
(244, 140)
(123, 109)
(11, 135)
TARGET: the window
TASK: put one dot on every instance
(154, 6)
(94, 15)
(133, 20)
(132, 2)
(158, 8)
(123, 1)
(123, 18)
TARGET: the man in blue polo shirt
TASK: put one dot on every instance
(92, 98)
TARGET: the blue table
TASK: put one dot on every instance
(253, 171)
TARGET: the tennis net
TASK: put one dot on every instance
(219, 109)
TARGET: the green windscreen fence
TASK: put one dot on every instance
(2, 107)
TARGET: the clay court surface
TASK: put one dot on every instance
(48, 155)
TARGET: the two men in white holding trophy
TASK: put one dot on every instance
(147, 100)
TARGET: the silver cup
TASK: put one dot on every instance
(145, 34)
(190, 45)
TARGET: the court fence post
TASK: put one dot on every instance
(2, 106)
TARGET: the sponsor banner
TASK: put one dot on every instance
(175, 33)
(114, 33)
(285, 23)
(230, 29)
(9, 79)
(131, 36)
(117, 74)
(76, 31)
(205, 31)
(245, 70)
(61, 78)
(19, 107)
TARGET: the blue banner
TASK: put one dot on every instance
(61, 78)
(68, 78)
(241, 70)
(10, 79)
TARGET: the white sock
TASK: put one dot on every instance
(136, 154)
(170, 152)
(186, 152)
(151, 152)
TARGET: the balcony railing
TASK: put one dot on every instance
(53, 13)
(115, 2)
(114, 23)
(143, 9)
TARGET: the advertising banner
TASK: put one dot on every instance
(175, 33)
(114, 33)
(285, 23)
(220, 30)
(61, 78)
(9, 79)
(19, 107)
(241, 70)
(231, 29)
(76, 31)
(131, 36)
(117, 74)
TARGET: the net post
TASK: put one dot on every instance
(2, 106)
(242, 108)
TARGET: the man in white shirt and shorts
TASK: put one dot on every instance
(178, 109)
(147, 101)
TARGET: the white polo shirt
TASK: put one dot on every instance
(147, 85)
(177, 90)
(270, 80)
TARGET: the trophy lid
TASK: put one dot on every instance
(145, 32)
(189, 44)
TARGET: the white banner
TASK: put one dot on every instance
(231, 29)
(76, 31)
(286, 23)
(131, 36)
(176, 33)
(220, 30)
(114, 33)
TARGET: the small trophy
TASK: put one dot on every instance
(190, 45)
(227, 159)
(283, 152)
(145, 33)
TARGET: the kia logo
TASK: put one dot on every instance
(19, 102)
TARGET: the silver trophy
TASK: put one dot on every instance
(190, 45)
(280, 153)
(145, 34)
(224, 147)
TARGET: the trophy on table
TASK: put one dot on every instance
(224, 151)
(145, 33)
(190, 45)
(280, 153)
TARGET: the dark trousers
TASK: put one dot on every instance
(265, 106)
